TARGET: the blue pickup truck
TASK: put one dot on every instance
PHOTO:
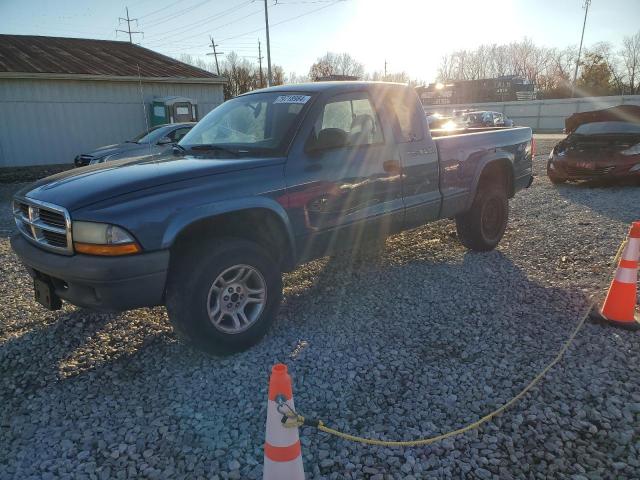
(264, 182)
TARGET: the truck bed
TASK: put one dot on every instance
(463, 153)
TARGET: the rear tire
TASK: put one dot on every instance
(213, 294)
(482, 227)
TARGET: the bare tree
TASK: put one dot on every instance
(630, 54)
(196, 62)
(336, 64)
(278, 75)
(605, 51)
(293, 77)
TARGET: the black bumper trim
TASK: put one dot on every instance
(103, 283)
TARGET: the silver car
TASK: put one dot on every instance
(157, 140)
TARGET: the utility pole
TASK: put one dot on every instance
(260, 61)
(266, 21)
(215, 54)
(128, 20)
(385, 69)
(587, 3)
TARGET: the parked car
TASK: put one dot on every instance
(477, 119)
(264, 182)
(600, 144)
(157, 140)
(437, 122)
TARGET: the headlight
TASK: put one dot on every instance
(102, 239)
(635, 150)
(635, 168)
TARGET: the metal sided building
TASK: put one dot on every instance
(62, 96)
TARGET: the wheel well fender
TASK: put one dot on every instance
(494, 167)
(261, 220)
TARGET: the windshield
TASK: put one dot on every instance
(152, 136)
(473, 117)
(606, 128)
(257, 122)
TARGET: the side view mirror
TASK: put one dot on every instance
(327, 138)
(165, 141)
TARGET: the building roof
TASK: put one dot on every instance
(58, 56)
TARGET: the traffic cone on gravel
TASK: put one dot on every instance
(619, 306)
(282, 451)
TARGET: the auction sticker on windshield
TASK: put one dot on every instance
(292, 99)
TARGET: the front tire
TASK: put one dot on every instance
(482, 227)
(224, 295)
(556, 180)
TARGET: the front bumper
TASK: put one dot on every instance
(103, 283)
(578, 170)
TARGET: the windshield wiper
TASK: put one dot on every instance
(214, 148)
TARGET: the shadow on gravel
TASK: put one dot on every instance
(424, 337)
(485, 290)
(600, 196)
(66, 345)
(30, 361)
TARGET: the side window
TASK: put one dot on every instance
(347, 120)
(408, 114)
(177, 135)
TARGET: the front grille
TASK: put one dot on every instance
(588, 172)
(53, 218)
(44, 224)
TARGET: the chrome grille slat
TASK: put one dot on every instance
(46, 225)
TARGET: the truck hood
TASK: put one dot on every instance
(80, 187)
(621, 113)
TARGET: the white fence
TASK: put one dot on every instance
(541, 115)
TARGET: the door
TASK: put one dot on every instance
(418, 155)
(182, 113)
(344, 183)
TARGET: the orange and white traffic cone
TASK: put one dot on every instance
(619, 306)
(282, 451)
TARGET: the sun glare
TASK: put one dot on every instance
(413, 35)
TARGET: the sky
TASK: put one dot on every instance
(410, 35)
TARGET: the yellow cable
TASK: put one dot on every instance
(300, 420)
(427, 441)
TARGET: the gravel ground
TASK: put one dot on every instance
(419, 339)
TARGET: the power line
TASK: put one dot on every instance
(172, 16)
(305, 2)
(208, 28)
(207, 19)
(159, 10)
(128, 30)
(283, 21)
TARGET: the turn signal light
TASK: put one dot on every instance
(107, 250)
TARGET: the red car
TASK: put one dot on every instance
(600, 144)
